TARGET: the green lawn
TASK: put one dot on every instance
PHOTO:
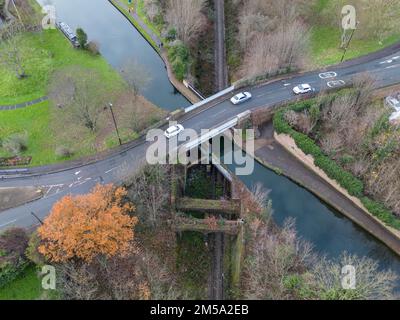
(325, 42)
(42, 54)
(25, 287)
(34, 121)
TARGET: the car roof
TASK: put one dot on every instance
(240, 95)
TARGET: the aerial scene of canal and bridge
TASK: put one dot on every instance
(248, 149)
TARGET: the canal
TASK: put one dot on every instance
(330, 232)
(120, 44)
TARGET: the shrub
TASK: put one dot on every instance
(82, 38)
(13, 262)
(16, 143)
(178, 55)
(32, 253)
(353, 185)
(171, 35)
(63, 152)
(94, 48)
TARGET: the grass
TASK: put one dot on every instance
(25, 287)
(43, 53)
(35, 121)
(325, 42)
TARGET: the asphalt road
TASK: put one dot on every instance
(112, 169)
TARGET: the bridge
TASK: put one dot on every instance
(79, 177)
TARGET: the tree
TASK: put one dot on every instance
(371, 283)
(82, 38)
(79, 95)
(13, 243)
(88, 226)
(150, 190)
(10, 50)
(186, 17)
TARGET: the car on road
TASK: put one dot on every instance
(303, 89)
(173, 131)
(241, 98)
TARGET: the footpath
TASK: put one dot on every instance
(274, 156)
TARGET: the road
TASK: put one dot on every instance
(81, 179)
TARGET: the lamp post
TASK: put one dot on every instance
(37, 218)
(110, 105)
(348, 43)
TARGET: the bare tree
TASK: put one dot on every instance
(80, 94)
(283, 48)
(273, 256)
(10, 49)
(186, 17)
(149, 189)
(371, 283)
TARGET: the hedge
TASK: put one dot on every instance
(349, 182)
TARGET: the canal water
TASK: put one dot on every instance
(121, 44)
(329, 231)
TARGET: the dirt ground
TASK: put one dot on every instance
(13, 197)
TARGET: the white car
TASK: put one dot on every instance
(174, 131)
(303, 88)
(241, 97)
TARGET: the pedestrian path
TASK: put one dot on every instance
(23, 105)
(142, 24)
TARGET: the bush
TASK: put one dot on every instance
(63, 152)
(82, 38)
(171, 35)
(353, 185)
(94, 48)
(13, 262)
(178, 55)
(16, 143)
(32, 252)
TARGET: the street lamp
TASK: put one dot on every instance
(36, 217)
(110, 105)
(348, 43)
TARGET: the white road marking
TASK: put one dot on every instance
(336, 83)
(8, 223)
(328, 75)
(391, 60)
(78, 172)
(111, 170)
(393, 66)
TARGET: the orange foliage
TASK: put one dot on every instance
(84, 227)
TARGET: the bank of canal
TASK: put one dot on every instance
(120, 44)
(329, 231)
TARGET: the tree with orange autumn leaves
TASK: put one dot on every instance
(84, 227)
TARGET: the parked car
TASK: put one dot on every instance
(174, 131)
(303, 88)
(241, 98)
